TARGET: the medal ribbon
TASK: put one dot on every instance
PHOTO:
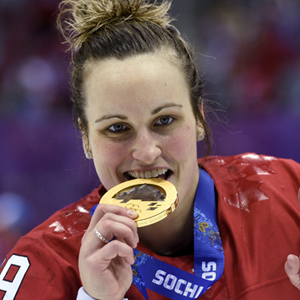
(174, 283)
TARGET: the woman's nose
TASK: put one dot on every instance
(146, 148)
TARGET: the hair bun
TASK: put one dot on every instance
(78, 19)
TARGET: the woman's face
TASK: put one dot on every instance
(141, 123)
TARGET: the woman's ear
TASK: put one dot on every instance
(85, 142)
(86, 146)
(200, 133)
(200, 128)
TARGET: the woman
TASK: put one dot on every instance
(137, 101)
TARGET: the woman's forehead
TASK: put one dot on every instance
(145, 81)
(115, 65)
(131, 72)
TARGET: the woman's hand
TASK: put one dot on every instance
(105, 268)
(292, 265)
(292, 269)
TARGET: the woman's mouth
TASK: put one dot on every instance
(157, 173)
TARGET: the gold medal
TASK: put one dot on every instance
(153, 199)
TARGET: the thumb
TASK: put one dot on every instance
(292, 269)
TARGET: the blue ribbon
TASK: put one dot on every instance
(174, 283)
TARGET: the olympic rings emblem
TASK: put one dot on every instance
(202, 226)
(134, 207)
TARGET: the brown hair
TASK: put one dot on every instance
(102, 29)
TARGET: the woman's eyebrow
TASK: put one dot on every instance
(107, 117)
(122, 117)
(157, 110)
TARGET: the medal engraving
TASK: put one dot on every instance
(153, 199)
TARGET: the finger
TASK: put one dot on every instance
(292, 269)
(292, 265)
(109, 229)
(111, 225)
(113, 258)
(103, 209)
(114, 249)
(120, 219)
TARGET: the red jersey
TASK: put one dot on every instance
(258, 219)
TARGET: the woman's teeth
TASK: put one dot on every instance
(147, 174)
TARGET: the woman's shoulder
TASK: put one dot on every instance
(60, 235)
(249, 178)
(70, 220)
(249, 164)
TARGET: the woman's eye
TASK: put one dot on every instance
(166, 120)
(119, 127)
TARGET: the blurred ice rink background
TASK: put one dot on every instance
(248, 52)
